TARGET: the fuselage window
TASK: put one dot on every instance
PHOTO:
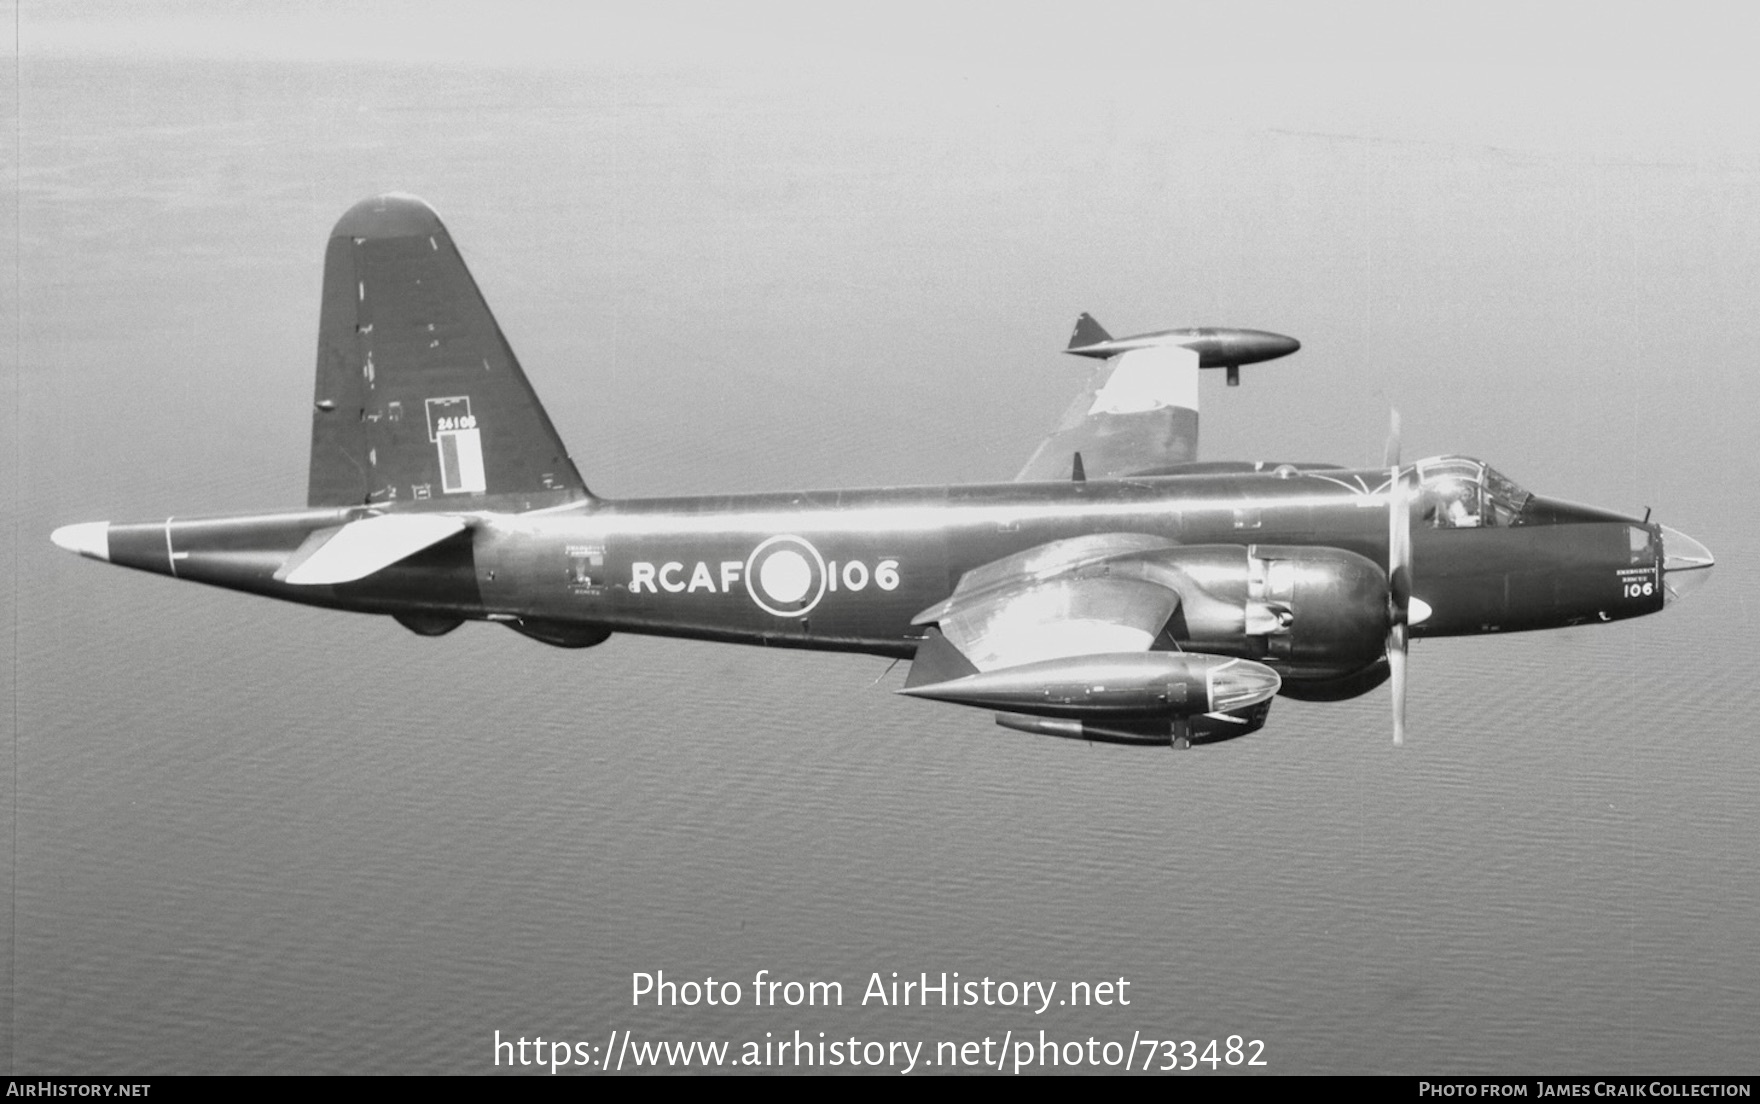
(1638, 542)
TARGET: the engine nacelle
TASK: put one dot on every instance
(1311, 612)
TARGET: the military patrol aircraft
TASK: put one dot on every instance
(1118, 590)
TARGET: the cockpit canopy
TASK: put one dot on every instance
(1458, 492)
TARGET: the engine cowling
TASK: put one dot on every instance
(1313, 613)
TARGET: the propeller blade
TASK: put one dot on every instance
(1390, 453)
(1399, 582)
(1396, 664)
(1399, 539)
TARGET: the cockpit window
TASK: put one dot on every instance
(1505, 497)
(1448, 493)
(1456, 492)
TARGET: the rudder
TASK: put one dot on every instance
(419, 397)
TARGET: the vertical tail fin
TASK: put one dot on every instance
(418, 395)
(1087, 332)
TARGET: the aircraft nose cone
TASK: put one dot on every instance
(1686, 564)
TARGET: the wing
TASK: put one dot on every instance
(1138, 412)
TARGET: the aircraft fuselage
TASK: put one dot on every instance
(848, 570)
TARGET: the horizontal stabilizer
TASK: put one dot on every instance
(360, 548)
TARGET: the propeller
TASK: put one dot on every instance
(1399, 579)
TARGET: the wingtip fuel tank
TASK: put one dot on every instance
(1216, 346)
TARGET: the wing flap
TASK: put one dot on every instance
(360, 548)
